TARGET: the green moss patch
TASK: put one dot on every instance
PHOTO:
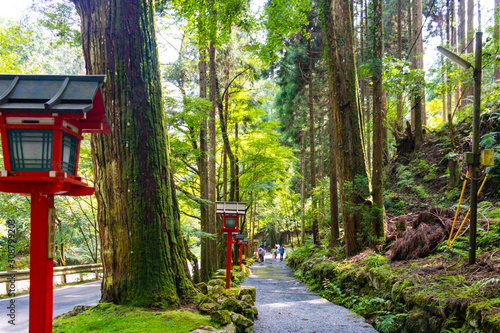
(107, 317)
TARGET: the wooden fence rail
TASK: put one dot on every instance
(13, 276)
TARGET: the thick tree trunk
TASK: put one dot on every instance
(348, 120)
(377, 226)
(312, 147)
(143, 251)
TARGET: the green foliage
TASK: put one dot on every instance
(282, 19)
(62, 20)
(388, 322)
(375, 260)
(13, 40)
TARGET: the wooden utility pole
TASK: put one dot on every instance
(476, 121)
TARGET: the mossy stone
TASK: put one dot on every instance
(241, 322)
(205, 329)
(207, 308)
(248, 291)
(203, 287)
(250, 314)
(232, 305)
(221, 317)
(216, 282)
(419, 320)
(248, 299)
(231, 328)
(216, 290)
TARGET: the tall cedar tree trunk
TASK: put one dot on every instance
(302, 187)
(377, 227)
(207, 267)
(450, 42)
(418, 63)
(143, 251)
(368, 92)
(224, 119)
(444, 76)
(497, 37)
(310, 102)
(399, 97)
(332, 170)
(212, 95)
(467, 90)
(337, 20)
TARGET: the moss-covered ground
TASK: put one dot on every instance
(108, 317)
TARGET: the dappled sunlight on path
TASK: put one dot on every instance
(285, 305)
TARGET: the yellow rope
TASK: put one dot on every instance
(458, 207)
(468, 212)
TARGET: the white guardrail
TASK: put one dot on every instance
(24, 274)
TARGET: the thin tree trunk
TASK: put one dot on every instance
(497, 37)
(467, 90)
(206, 264)
(399, 97)
(418, 63)
(302, 186)
(143, 251)
(332, 170)
(312, 139)
(212, 218)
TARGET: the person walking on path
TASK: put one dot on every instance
(261, 251)
(282, 252)
(275, 252)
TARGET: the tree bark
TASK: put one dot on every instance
(212, 96)
(312, 147)
(418, 63)
(348, 120)
(332, 170)
(497, 37)
(143, 251)
(377, 226)
(206, 264)
(399, 97)
(302, 187)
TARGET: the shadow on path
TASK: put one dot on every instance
(285, 305)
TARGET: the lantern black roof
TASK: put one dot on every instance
(67, 95)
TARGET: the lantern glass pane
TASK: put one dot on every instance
(230, 221)
(68, 154)
(30, 150)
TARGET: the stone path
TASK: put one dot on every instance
(285, 305)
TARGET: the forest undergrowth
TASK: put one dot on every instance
(414, 282)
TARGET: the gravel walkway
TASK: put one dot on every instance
(285, 305)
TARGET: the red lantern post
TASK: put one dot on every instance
(241, 242)
(40, 144)
(230, 212)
